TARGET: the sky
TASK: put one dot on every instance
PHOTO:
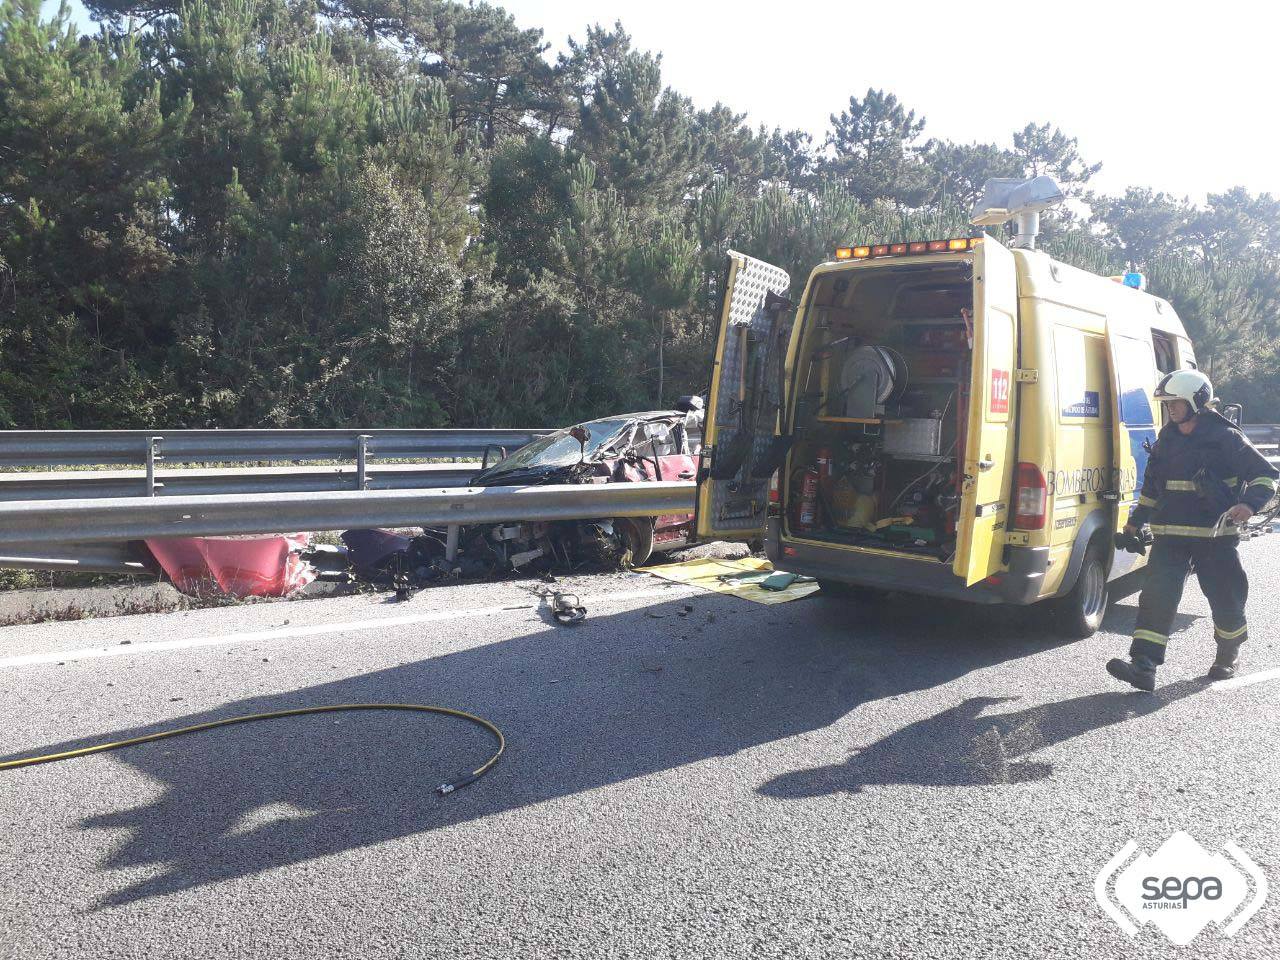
(1164, 96)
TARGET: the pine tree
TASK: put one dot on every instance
(960, 169)
(1045, 149)
(85, 223)
(639, 135)
(875, 153)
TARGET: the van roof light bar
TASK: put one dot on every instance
(1004, 199)
(954, 245)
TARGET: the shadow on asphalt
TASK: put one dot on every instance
(614, 698)
(1121, 620)
(961, 747)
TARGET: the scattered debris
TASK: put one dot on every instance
(750, 578)
(370, 553)
(332, 562)
(234, 566)
(567, 608)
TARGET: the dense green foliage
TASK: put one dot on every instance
(402, 212)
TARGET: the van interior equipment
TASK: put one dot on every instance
(882, 404)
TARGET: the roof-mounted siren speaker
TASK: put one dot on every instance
(1022, 200)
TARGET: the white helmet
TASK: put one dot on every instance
(1189, 385)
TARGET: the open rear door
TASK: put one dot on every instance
(744, 402)
(1133, 424)
(988, 472)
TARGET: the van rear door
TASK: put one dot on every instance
(744, 401)
(984, 511)
(1133, 375)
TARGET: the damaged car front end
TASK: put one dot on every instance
(631, 448)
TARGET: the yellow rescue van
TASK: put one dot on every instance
(952, 418)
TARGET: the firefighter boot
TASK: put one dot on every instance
(1224, 665)
(1139, 672)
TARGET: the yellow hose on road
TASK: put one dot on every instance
(444, 788)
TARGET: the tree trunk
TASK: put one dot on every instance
(662, 336)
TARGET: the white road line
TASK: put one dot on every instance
(1247, 680)
(316, 629)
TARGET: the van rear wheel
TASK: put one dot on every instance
(1079, 614)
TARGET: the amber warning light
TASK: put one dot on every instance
(957, 245)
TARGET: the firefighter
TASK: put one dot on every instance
(1203, 479)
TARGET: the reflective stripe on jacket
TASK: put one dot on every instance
(1191, 479)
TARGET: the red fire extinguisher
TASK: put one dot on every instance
(823, 457)
(807, 515)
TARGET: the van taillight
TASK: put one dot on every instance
(1030, 498)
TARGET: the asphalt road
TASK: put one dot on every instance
(816, 779)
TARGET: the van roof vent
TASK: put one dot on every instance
(1005, 199)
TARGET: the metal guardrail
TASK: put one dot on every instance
(93, 484)
(36, 448)
(85, 520)
(1266, 437)
(74, 557)
(135, 518)
(1265, 432)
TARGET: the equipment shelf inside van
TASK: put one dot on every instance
(882, 401)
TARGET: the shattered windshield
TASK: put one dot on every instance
(559, 449)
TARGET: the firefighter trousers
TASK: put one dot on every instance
(1222, 578)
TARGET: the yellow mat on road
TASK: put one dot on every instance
(707, 574)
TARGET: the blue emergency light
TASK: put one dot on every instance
(1135, 280)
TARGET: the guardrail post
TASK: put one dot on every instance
(153, 454)
(362, 454)
(451, 543)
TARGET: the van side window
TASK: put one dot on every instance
(1081, 375)
(1166, 352)
(1135, 375)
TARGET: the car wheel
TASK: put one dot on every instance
(638, 537)
(1079, 613)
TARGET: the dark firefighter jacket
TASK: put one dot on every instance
(1192, 479)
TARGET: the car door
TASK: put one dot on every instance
(674, 465)
(744, 402)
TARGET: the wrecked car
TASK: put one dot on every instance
(628, 448)
(632, 448)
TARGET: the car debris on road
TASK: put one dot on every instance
(235, 566)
